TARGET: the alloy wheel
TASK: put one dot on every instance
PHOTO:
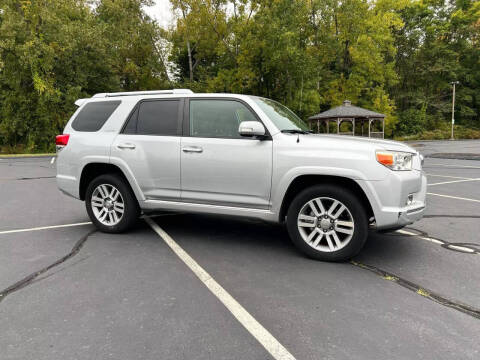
(325, 224)
(107, 204)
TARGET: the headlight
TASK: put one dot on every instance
(395, 160)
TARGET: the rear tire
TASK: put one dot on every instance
(111, 204)
(328, 223)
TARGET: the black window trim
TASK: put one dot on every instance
(181, 107)
(119, 102)
(186, 119)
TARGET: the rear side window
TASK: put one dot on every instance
(131, 127)
(156, 117)
(218, 118)
(94, 115)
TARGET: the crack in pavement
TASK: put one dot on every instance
(30, 279)
(462, 247)
(452, 216)
(27, 178)
(27, 165)
(420, 290)
(454, 156)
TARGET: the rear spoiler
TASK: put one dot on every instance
(80, 102)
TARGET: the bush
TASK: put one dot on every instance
(460, 132)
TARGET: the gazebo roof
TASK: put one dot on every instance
(346, 110)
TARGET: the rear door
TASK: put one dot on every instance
(218, 166)
(150, 146)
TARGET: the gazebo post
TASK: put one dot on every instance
(327, 124)
(369, 123)
(338, 126)
(353, 127)
(362, 126)
(383, 128)
(318, 126)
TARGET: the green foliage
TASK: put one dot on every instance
(439, 43)
(396, 57)
(461, 132)
(53, 52)
(391, 56)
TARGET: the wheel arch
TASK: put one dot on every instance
(92, 170)
(302, 182)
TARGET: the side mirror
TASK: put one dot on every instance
(251, 129)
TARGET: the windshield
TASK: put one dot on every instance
(281, 116)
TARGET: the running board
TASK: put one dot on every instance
(208, 209)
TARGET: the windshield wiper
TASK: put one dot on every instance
(295, 131)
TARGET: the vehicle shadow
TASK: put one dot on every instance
(389, 246)
(251, 235)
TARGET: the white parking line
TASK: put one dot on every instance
(453, 181)
(262, 335)
(454, 166)
(456, 247)
(43, 228)
(448, 176)
(405, 232)
(454, 197)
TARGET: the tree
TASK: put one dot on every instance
(438, 44)
(53, 52)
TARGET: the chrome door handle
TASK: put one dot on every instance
(192, 149)
(126, 146)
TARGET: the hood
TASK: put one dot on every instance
(356, 142)
(343, 142)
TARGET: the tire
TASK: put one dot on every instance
(111, 204)
(314, 232)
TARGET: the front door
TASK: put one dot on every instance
(218, 166)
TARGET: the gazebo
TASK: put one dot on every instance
(351, 114)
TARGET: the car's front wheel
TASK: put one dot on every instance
(110, 203)
(327, 222)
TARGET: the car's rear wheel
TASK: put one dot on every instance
(110, 203)
(327, 222)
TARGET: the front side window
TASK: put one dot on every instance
(158, 117)
(94, 115)
(218, 118)
(281, 116)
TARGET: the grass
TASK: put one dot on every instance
(25, 155)
(460, 133)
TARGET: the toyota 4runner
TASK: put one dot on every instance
(128, 153)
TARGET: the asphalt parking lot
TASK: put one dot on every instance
(69, 292)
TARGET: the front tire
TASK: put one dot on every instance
(110, 204)
(328, 223)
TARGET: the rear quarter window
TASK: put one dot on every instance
(94, 115)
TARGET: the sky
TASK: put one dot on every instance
(161, 11)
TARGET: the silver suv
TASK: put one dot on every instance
(128, 153)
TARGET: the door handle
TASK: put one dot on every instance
(126, 146)
(192, 149)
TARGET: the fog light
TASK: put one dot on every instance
(410, 199)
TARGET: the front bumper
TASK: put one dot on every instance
(389, 199)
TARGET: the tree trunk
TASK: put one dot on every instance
(190, 65)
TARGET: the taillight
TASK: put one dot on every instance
(61, 141)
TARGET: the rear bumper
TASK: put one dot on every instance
(68, 185)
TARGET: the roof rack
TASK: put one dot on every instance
(135, 93)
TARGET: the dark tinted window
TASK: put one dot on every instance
(218, 118)
(158, 117)
(131, 127)
(93, 115)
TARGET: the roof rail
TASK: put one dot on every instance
(135, 93)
